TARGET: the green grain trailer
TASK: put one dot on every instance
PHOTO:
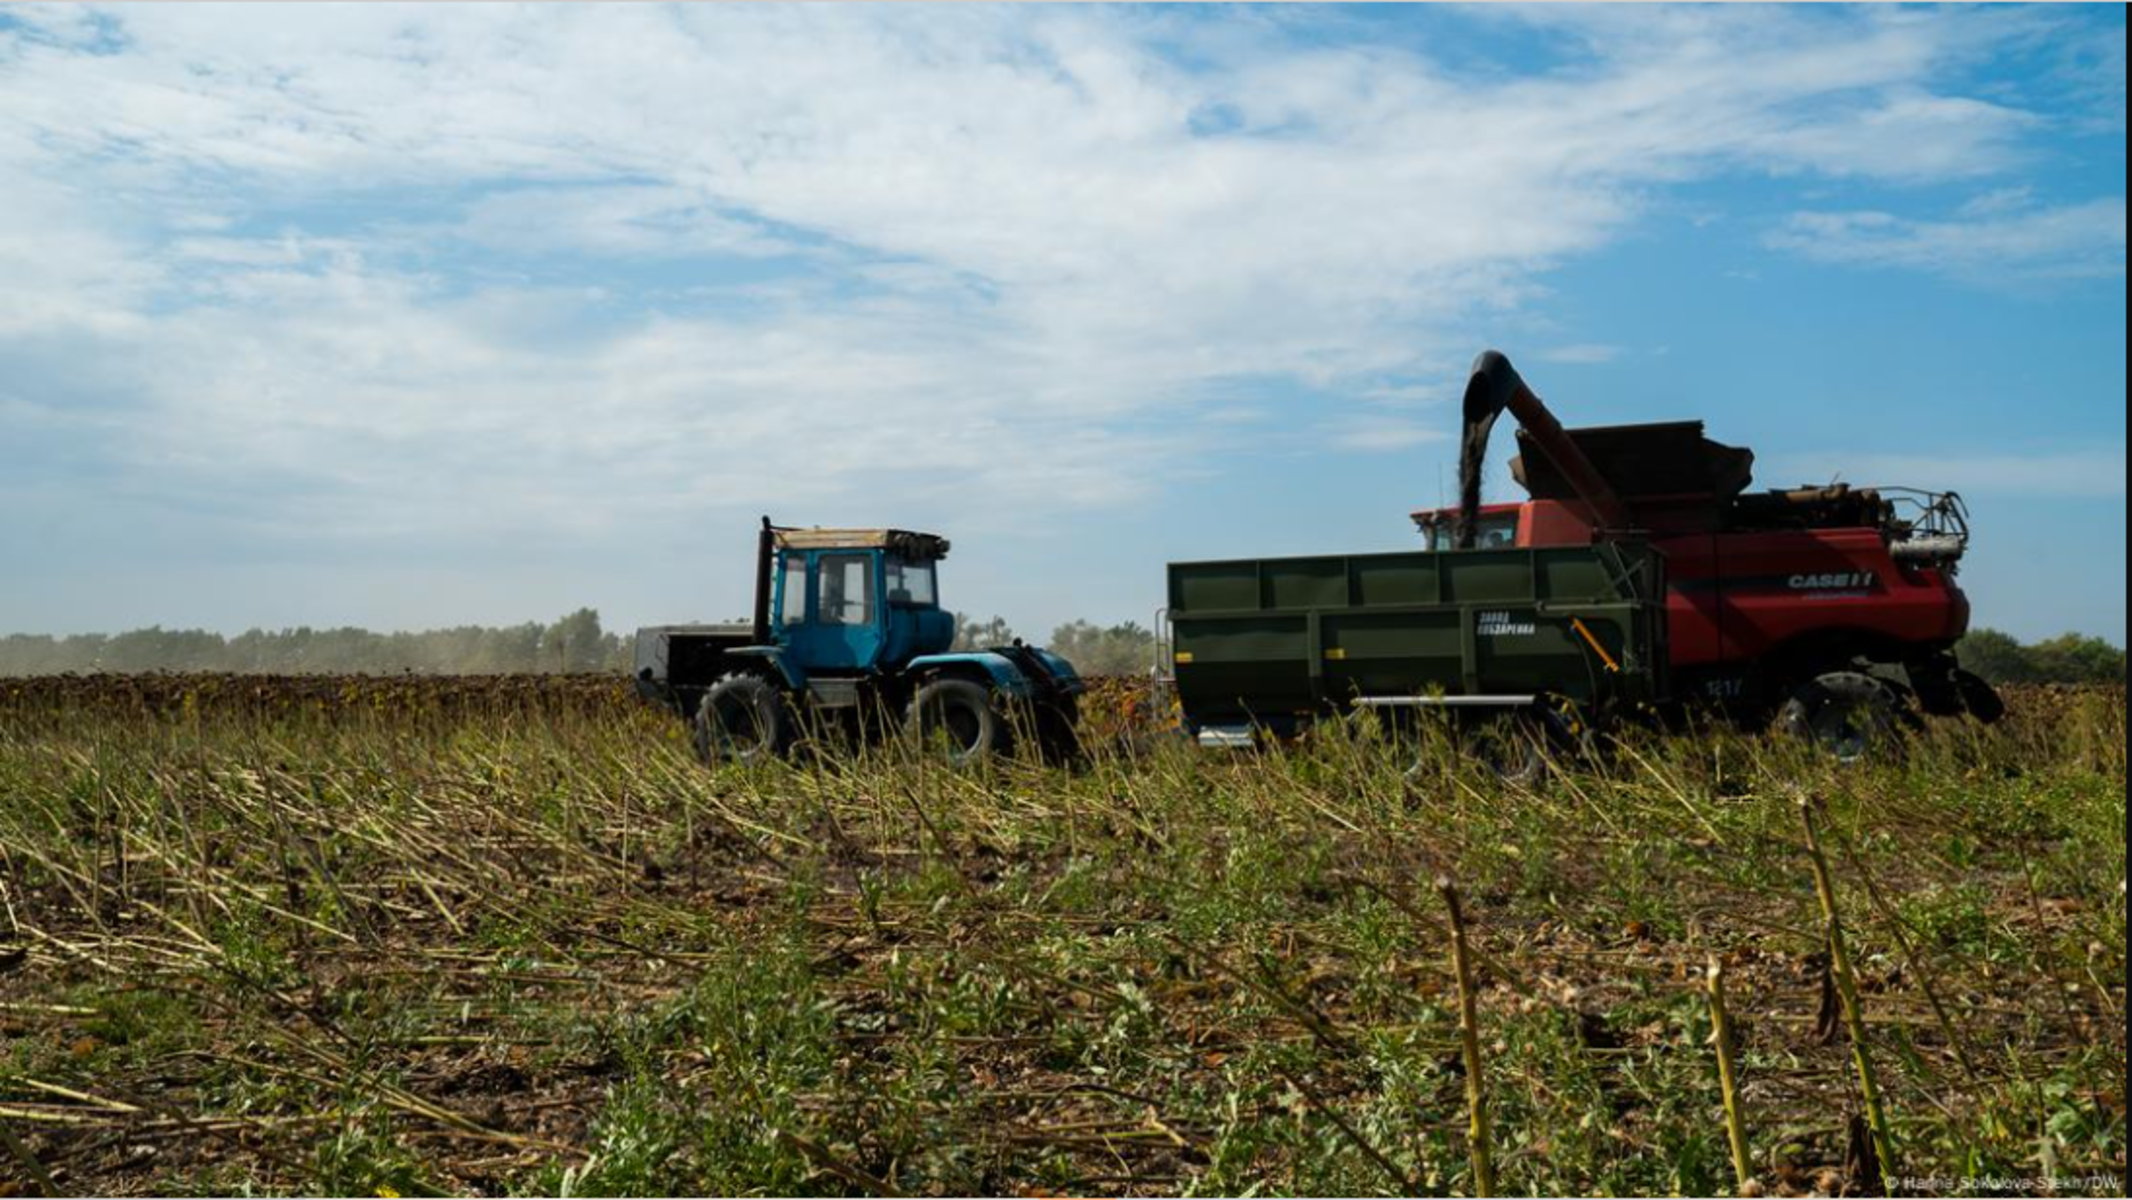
(1272, 644)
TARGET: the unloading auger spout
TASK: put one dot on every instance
(1493, 387)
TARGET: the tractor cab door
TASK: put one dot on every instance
(834, 626)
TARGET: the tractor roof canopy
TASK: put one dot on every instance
(916, 547)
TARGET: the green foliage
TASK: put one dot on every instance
(578, 644)
(973, 634)
(361, 1156)
(1125, 649)
(2067, 658)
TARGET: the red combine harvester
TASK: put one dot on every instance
(1833, 610)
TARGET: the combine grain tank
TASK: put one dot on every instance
(1272, 644)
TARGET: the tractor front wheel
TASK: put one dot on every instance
(965, 715)
(743, 719)
(1850, 714)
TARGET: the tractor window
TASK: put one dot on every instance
(847, 590)
(794, 589)
(911, 583)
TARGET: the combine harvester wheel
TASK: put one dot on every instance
(1848, 713)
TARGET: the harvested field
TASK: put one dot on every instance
(410, 935)
(399, 701)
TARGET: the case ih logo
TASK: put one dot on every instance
(1844, 581)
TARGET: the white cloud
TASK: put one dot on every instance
(2000, 237)
(1376, 435)
(622, 220)
(1582, 354)
(2093, 473)
(308, 245)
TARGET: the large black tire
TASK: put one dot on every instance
(1521, 746)
(1513, 746)
(1979, 697)
(742, 719)
(966, 715)
(1058, 730)
(1848, 713)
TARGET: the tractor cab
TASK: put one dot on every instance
(857, 601)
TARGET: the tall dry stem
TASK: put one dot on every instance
(1847, 991)
(1477, 1134)
(1728, 1074)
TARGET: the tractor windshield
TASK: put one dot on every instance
(911, 584)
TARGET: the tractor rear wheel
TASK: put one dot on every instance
(742, 719)
(1058, 730)
(966, 715)
(1848, 713)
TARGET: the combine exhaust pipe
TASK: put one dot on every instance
(765, 550)
(1493, 387)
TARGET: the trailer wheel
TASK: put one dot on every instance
(966, 714)
(1513, 746)
(1848, 713)
(743, 719)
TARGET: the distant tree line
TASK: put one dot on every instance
(576, 643)
(2067, 658)
(1093, 649)
(1126, 649)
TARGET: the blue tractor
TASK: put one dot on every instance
(848, 634)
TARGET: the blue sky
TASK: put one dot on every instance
(406, 317)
